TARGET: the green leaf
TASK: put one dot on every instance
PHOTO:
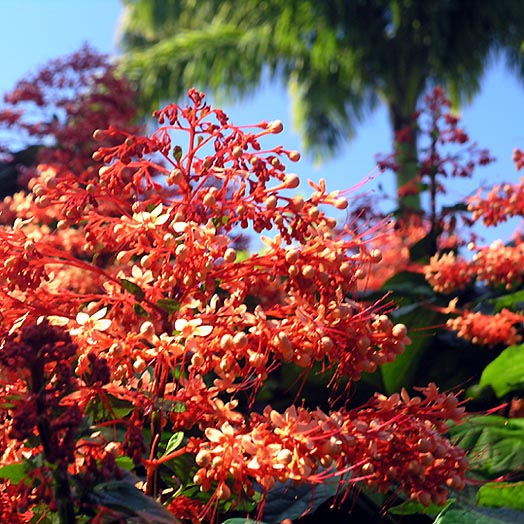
(123, 497)
(403, 370)
(512, 301)
(125, 463)
(174, 442)
(179, 407)
(479, 515)
(13, 472)
(120, 408)
(140, 311)
(242, 255)
(412, 507)
(116, 408)
(132, 288)
(506, 372)
(171, 305)
(288, 501)
(409, 284)
(421, 251)
(502, 494)
(220, 221)
(183, 468)
(177, 152)
(42, 515)
(242, 520)
(495, 445)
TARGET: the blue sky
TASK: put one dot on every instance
(34, 31)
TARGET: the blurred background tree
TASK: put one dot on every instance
(339, 58)
(49, 117)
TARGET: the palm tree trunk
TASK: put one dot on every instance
(406, 154)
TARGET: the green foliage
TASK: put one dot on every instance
(511, 301)
(506, 372)
(495, 444)
(479, 515)
(174, 442)
(242, 521)
(412, 507)
(404, 370)
(502, 494)
(132, 288)
(124, 498)
(288, 501)
(13, 472)
(170, 305)
(337, 58)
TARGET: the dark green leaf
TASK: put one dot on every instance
(13, 472)
(177, 152)
(242, 521)
(495, 445)
(461, 206)
(502, 494)
(506, 372)
(132, 288)
(409, 284)
(125, 463)
(412, 507)
(422, 250)
(479, 515)
(171, 305)
(174, 442)
(140, 311)
(183, 468)
(42, 515)
(123, 497)
(288, 501)
(512, 301)
(403, 370)
(119, 407)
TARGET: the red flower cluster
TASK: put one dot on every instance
(496, 265)
(488, 330)
(174, 328)
(446, 273)
(500, 204)
(436, 123)
(391, 441)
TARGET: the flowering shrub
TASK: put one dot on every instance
(49, 117)
(137, 340)
(464, 310)
(411, 236)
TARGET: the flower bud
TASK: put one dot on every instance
(175, 177)
(275, 127)
(209, 200)
(308, 271)
(341, 203)
(230, 255)
(292, 181)
(240, 340)
(98, 135)
(271, 202)
(203, 458)
(294, 156)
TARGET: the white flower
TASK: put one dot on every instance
(192, 328)
(151, 219)
(88, 325)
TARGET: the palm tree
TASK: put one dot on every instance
(339, 58)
